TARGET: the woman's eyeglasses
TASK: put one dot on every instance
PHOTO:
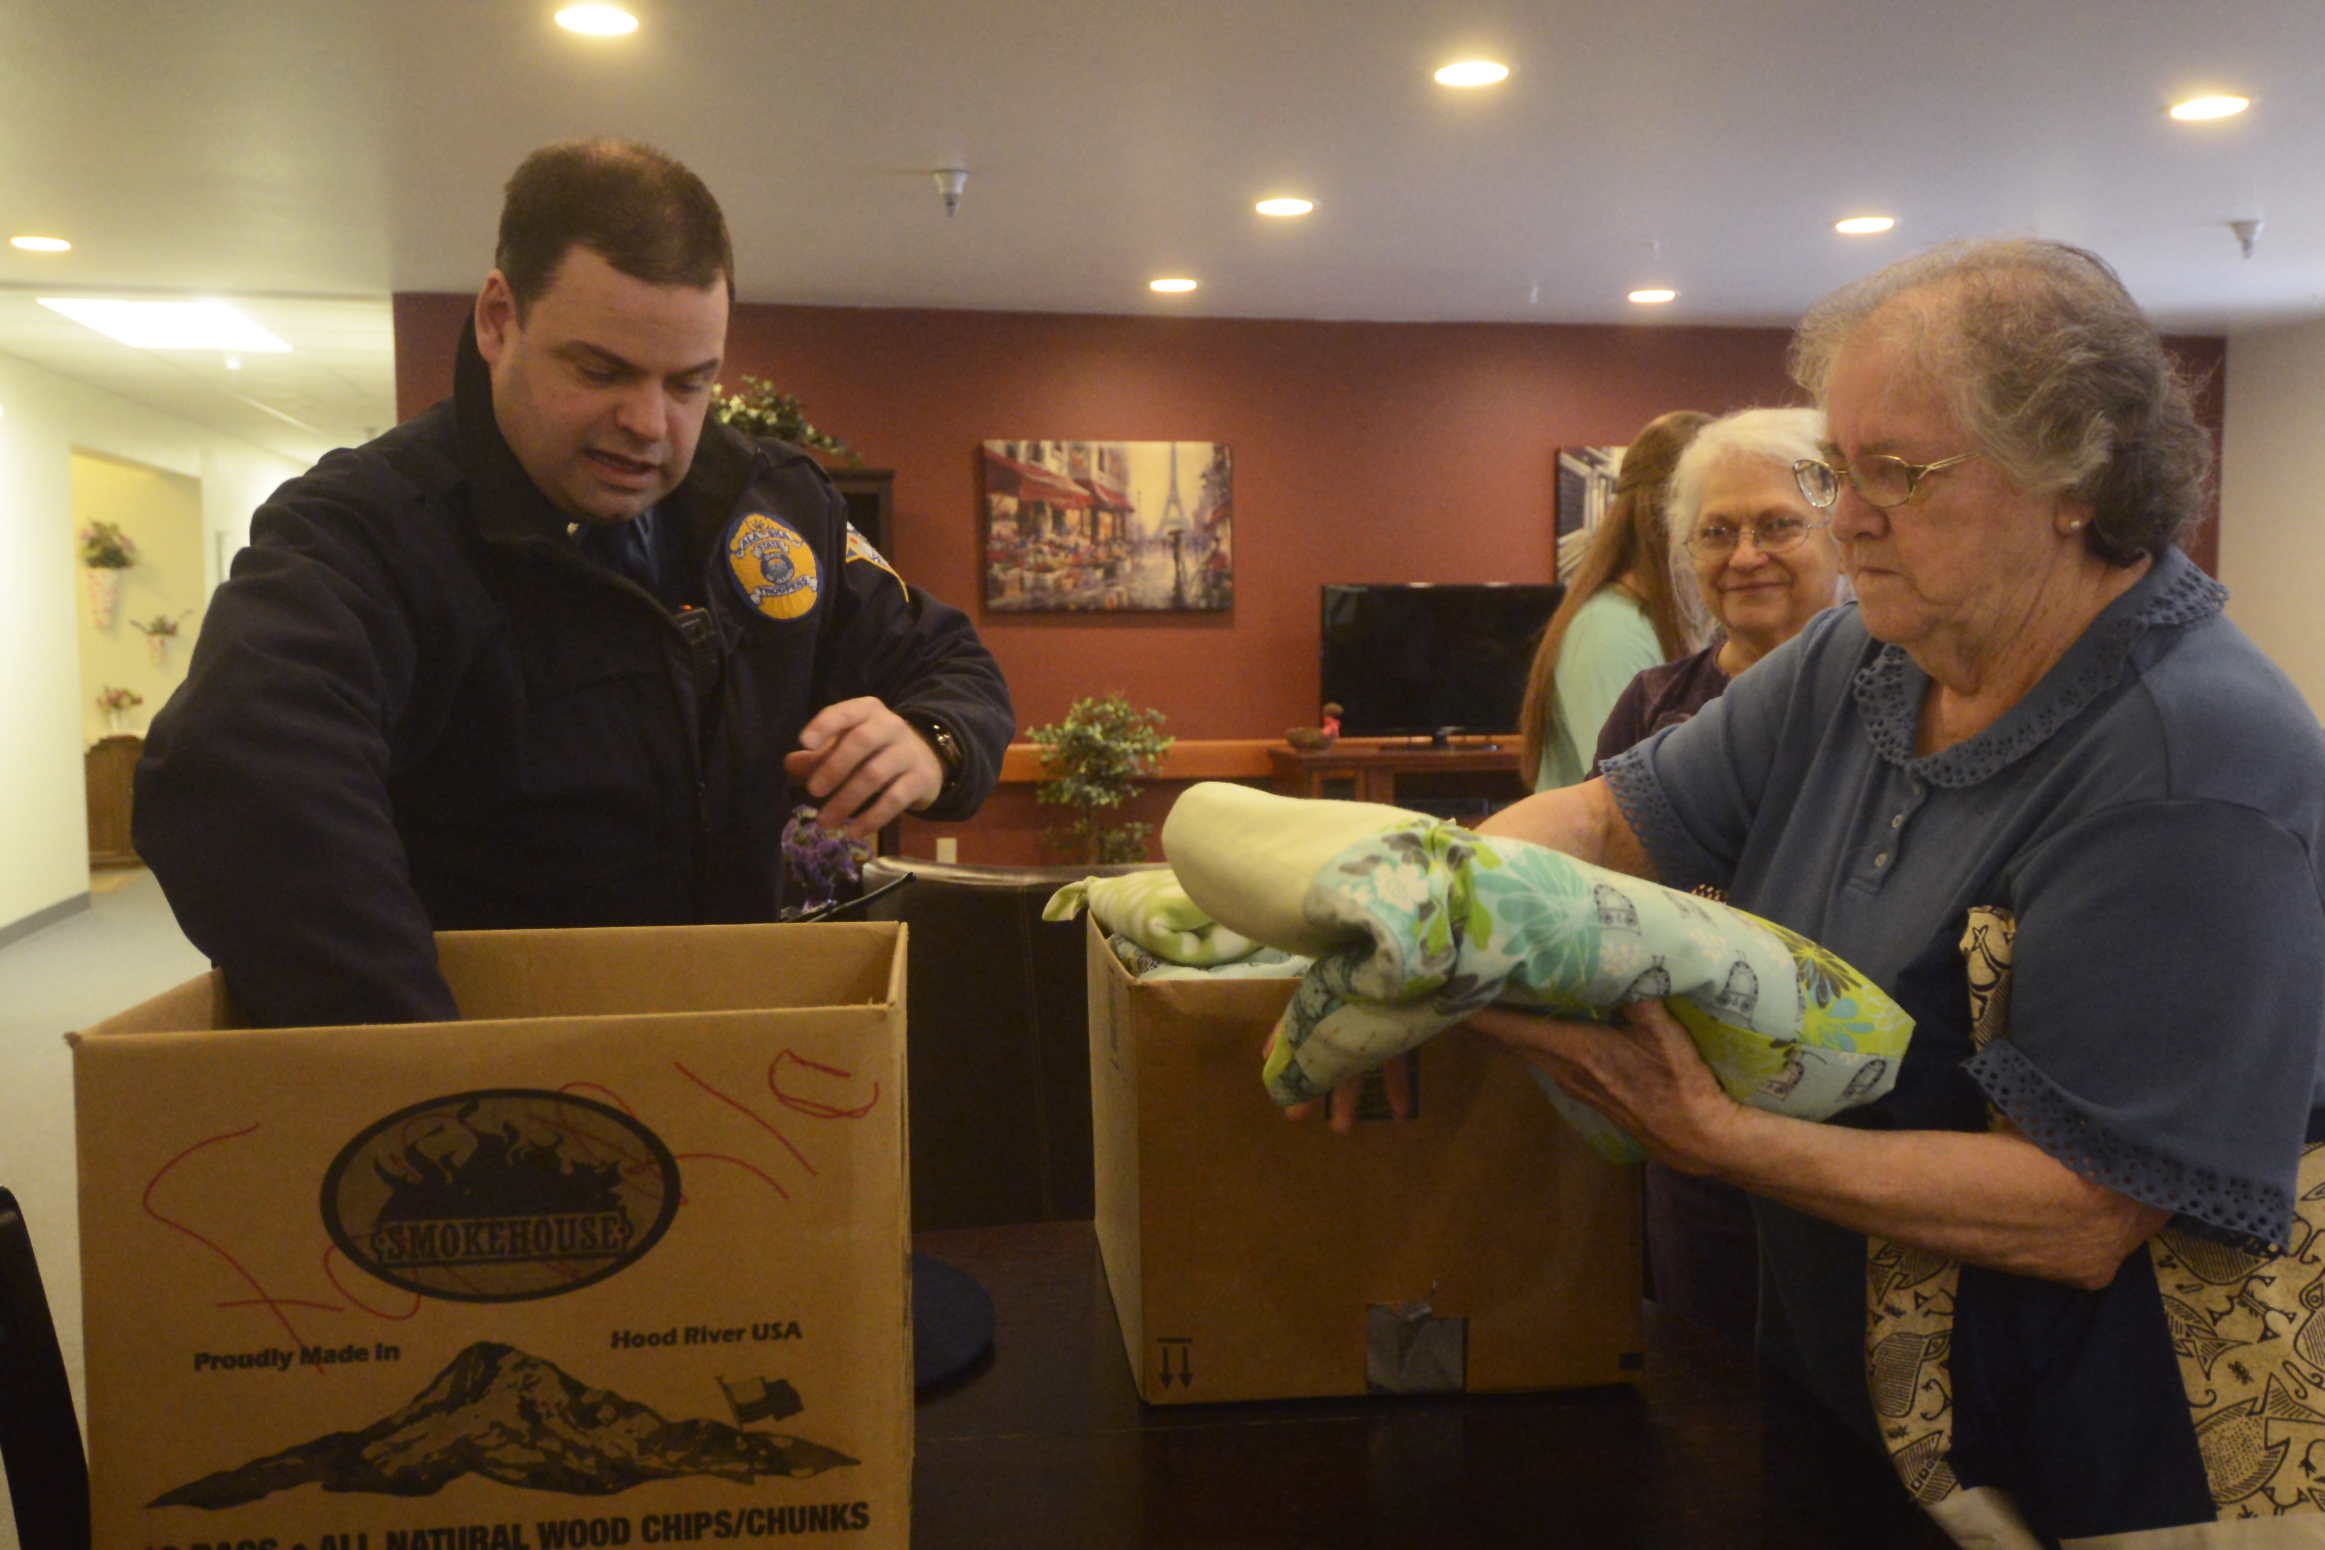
(1717, 540)
(1879, 480)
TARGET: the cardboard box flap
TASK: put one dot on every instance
(636, 969)
(499, 976)
(200, 1003)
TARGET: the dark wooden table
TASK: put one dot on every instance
(1046, 1444)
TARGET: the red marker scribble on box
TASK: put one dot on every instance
(748, 1113)
(812, 1107)
(265, 1299)
(623, 1104)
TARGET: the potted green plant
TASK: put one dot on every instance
(1096, 759)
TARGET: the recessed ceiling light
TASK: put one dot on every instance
(1472, 72)
(1864, 225)
(1171, 286)
(2210, 107)
(1284, 206)
(169, 325)
(604, 21)
(1650, 298)
(41, 244)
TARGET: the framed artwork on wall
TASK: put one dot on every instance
(1108, 526)
(1586, 487)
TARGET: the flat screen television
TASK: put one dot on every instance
(1415, 659)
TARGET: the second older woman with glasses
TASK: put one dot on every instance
(1751, 558)
(1757, 562)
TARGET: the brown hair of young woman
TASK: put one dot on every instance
(1629, 548)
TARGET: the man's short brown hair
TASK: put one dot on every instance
(638, 209)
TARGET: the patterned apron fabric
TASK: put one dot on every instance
(2246, 1330)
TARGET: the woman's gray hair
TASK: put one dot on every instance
(1782, 436)
(2053, 374)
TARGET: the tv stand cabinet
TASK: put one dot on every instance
(1377, 770)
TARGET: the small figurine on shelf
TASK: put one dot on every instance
(1317, 739)
(116, 704)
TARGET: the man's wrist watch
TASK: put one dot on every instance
(948, 750)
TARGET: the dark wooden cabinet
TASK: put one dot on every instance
(1379, 772)
(111, 767)
(870, 494)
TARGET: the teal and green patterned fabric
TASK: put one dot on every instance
(1416, 923)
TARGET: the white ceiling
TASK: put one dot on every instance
(309, 157)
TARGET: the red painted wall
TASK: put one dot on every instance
(1363, 452)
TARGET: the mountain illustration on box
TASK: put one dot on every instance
(517, 1419)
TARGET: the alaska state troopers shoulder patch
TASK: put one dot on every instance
(860, 548)
(772, 566)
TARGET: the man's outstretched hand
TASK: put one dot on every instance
(864, 765)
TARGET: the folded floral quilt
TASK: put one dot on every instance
(1264, 964)
(1416, 923)
(1152, 910)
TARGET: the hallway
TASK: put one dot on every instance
(124, 948)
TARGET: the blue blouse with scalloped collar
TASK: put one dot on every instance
(2152, 812)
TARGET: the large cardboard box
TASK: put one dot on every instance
(618, 1260)
(1479, 1245)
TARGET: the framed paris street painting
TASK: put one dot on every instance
(1586, 487)
(1108, 526)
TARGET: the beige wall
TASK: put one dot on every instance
(2272, 498)
(161, 513)
(44, 420)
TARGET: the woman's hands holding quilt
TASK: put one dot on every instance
(1642, 1072)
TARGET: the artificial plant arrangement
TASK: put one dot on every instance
(1096, 760)
(821, 865)
(116, 703)
(105, 547)
(158, 631)
(759, 410)
(106, 551)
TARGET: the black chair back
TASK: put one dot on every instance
(999, 1043)
(40, 1437)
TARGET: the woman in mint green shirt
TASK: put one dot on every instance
(1620, 617)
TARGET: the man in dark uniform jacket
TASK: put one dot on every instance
(556, 652)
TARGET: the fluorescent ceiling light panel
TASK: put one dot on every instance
(169, 325)
(603, 21)
(1171, 286)
(41, 244)
(1650, 298)
(1284, 206)
(2210, 107)
(1863, 225)
(1472, 72)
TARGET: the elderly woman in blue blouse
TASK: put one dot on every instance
(2037, 786)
